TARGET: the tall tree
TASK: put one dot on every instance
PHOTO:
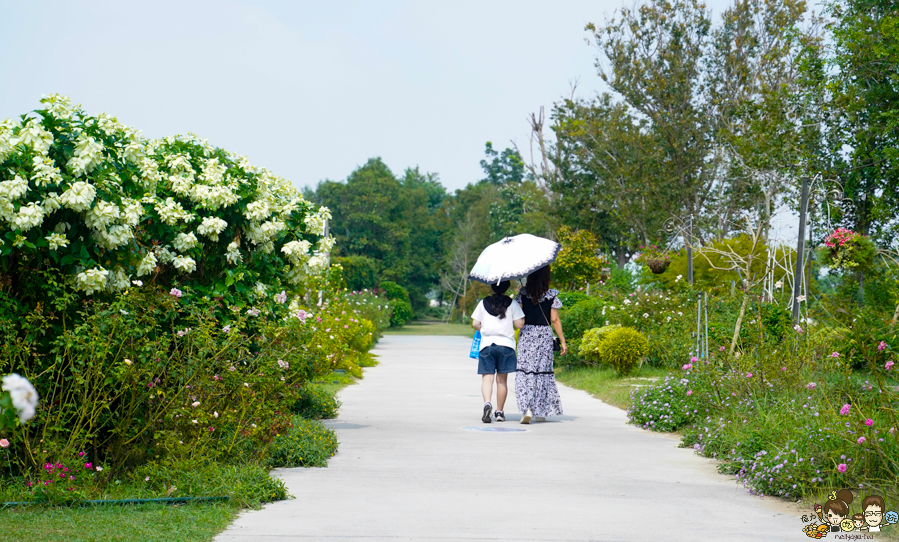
(760, 120)
(862, 118)
(607, 182)
(653, 60)
(398, 222)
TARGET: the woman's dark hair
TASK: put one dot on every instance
(538, 283)
(496, 304)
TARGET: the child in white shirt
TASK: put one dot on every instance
(496, 317)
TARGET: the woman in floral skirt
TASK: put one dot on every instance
(535, 382)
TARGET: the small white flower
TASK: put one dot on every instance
(22, 394)
(195, 404)
(137, 283)
(57, 240)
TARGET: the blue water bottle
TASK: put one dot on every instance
(475, 345)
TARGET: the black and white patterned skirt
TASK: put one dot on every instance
(535, 383)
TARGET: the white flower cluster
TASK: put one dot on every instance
(170, 212)
(147, 264)
(88, 154)
(233, 254)
(297, 251)
(132, 198)
(184, 242)
(315, 223)
(185, 264)
(92, 280)
(79, 196)
(45, 172)
(211, 227)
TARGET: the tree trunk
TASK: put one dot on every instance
(733, 342)
(621, 254)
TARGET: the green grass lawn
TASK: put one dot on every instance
(431, 327)
(137, 523)
(606, 385)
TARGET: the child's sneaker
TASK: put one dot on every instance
(500, 416)
(488, 408)
(539, 419)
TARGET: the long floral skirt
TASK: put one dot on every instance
(535, 383)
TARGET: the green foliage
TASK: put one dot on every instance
(307, 443)
(152, 522)
(609, 172)
(856, 88)
(588, 349)
(394, 221)
(314, 403)
(502, 168)
(784, 416)
(393, 290)
(247, 484)
(622, 348)
(569, 299)
(401, 312)
(359, 272)
(401, 309)
(151, 377)
(244, 483)
(705, 274)
(578, 263)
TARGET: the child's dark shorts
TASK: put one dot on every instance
(495, 358)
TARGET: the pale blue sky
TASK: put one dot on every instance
(309, 90)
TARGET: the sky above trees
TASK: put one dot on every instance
(310, 90)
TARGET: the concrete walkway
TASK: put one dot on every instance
(407, 470)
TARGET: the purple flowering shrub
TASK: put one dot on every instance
(664, 406)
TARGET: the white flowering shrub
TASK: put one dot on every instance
(91, 197)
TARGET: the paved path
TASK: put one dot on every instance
(406, 470)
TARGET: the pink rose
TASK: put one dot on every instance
(889, 365)
(4, 443)
(845, 410)
(869, 422)
(861, 440)
(811, 385)
(689, 393)
(842, 467)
